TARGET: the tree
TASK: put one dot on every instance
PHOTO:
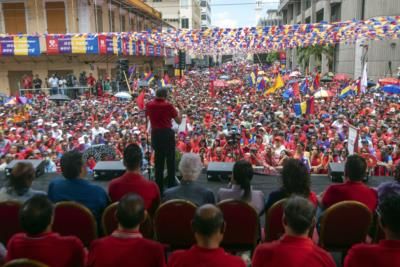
(305, 53)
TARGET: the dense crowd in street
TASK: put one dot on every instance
(225, 120)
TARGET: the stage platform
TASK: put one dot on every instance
(264, 183)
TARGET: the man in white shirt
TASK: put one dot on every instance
(96, 130)
(53, 82)
(55, 132)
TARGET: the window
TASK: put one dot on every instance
(308, 3)
(132, 21)
(203, 3)
(99, 18)
(184, 3)
(55, 13)
(123, 24)
(157, 1)
(185, 24)
(111, 20)
(14, 18)
(203, 17)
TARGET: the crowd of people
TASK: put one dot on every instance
(138, 197)
(221, 123)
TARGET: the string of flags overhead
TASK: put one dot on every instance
(206, 42)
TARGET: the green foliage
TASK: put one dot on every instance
(305, 53)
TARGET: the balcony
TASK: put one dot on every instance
(283, 4)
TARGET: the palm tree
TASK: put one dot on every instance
(305, 53)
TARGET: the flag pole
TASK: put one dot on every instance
(127, 83)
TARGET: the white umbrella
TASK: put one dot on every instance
(295, 74)
(123, 95)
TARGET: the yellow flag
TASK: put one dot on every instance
(277, 85)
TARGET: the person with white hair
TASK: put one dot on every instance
(190, 167)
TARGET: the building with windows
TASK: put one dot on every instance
(383, 57)
(72, 16)
(273, 18)
(185, 14)
(205, 6)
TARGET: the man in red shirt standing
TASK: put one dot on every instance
(161, 113)
(387, 252)
(353, 188)
(133, 182)
(39, 243)
(209, 227)
(126, 246)
(295, 248)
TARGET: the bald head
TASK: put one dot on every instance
(208, 220)
(130, 211)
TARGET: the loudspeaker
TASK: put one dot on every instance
(217, 171)
(38, 165)
(336, 172)
(108, 170)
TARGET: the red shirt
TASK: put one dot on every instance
(126, 249)
(48, 248)
(160, 113)
(135, 183)
(200, 257)
(384, 254)
(349, 190)
(291, 251)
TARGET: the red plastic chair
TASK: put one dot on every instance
(72, 218)
(242, 225)
(172, 223)
(273, 221)
(9, 220)
(343, 225)
(24, 263)
(109, 222)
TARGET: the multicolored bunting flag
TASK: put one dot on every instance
(149, 50)
(19, 45)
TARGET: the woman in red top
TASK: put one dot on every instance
(316, 160)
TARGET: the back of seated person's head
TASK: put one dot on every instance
(208, 222)
(161, 93)
(21, 177)
(36, 215)
(295, 178)
(133, 157)
(396, 172)
(389, 212)
(190, 166)
(299, 215)
(130, 211)
(72, 164)
(242, 175)
(355, 168)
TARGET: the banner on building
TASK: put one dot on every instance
(57, 44)
(19, 45)
(110, 44)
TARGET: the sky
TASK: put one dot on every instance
(237, 13)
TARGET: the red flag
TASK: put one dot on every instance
(211, 88)
(310, 106)
(296, 90)
(140, 100)
(316, 81)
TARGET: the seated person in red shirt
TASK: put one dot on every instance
(353, 188)
(209, 227)
(133, 182)
(295, 248)
(39, 243)
(126, 246)
(387, 252)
